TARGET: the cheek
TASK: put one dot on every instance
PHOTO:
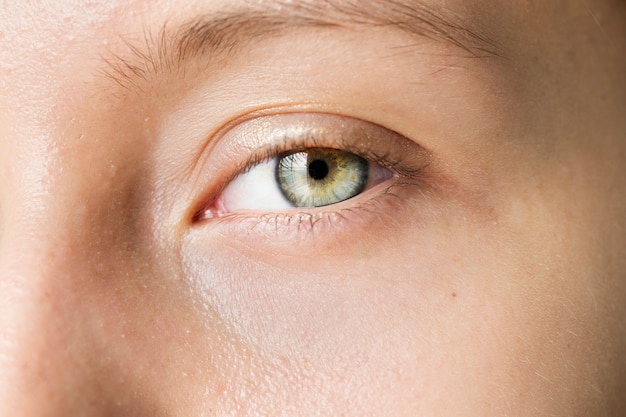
(452, 310)
(316, 335)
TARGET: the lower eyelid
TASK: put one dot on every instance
(341, 222)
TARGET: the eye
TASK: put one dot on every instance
(307, 178)
(290, 164)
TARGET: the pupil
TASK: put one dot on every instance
(318, 169)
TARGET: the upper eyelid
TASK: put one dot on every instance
(302, 144)
(345, 141)
(224, 33)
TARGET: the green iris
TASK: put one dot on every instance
(319, 176)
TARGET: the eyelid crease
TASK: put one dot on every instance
(224, 33)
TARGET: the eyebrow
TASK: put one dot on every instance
(220, 34)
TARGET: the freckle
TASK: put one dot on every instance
(454, 295)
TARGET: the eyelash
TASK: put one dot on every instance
(295, 226)
(380, 198)
(363, 151)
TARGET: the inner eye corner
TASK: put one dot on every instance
(199, 215)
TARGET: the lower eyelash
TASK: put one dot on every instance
(299, 226)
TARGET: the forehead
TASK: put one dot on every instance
(64, 14)
(484, 23)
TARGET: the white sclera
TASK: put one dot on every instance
(256, 189)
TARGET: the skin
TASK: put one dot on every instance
(494, 286)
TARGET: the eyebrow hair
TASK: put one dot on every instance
(222, 33)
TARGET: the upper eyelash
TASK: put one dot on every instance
(309, 142)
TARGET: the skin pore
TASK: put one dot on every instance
(482, 275)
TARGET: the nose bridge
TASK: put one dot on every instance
(34, 340)
(64, 221)
(46, 352)
(52, 247)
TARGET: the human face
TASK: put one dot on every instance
(473, 267)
